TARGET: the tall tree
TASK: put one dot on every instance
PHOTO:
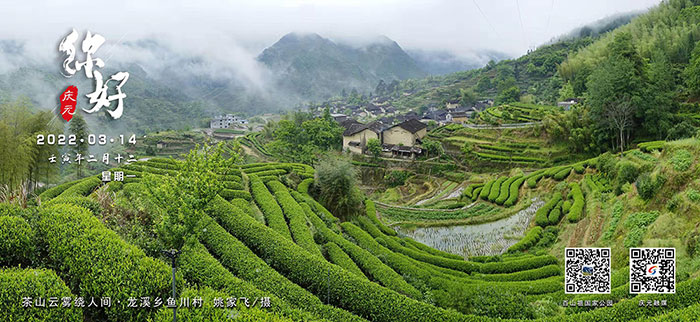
(617, 79)
(374, 148)
(620, 120)
(337, 187)
(182, 199)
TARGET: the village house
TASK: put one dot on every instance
(401, 140)
(356, 135)
(404, 139)
(373, 110)
(438, 116)
(226, 121)
(568, 103)
(458, 117)
(408, 133)
(340, 118)
(452, 104)
(483, 104)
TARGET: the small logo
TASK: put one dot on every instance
(68, 102)
(587, 270)
(652, 270)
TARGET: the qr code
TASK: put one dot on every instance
(587, 271)
(652, 270)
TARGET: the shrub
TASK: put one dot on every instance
(614, 219)
(541, 216)
(562, 174)
(579, 168)
(296, 217)
(242, 262)
(7, 209)
(529, 240)
(651, 146)
(533, 178)
(17, 283)
(337, 256)
(576, 211)
(527, 275)
(565, 207)
(496, 189)
(693, 195)
(459, 265)
(304, 185)
(606, 164)
(514, 191)
(554, 216)
(336, 184)
(476, 193)
(17, 241)
(627, 172)
(208, 312)
(99, 263)
(243, 205)
(229, 194)
(233, 185)
(274, 217)
(200, 267)
(637, 224)
(82, 188)
(372, 215)
(505, 190)
(647, 186)
(55, 191)
(517, 265)
(343, 289)
(85, 202)
(682, 160)
(396, 178)
(486, 189)
(469, 190)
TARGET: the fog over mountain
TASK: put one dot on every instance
(190, 61)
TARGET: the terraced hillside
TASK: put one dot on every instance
(515, 113)
(505, 148)
(265, 236)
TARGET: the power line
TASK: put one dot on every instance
(522, 27)
(551, 10)
(486, 18)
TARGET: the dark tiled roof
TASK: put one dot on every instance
(356, 127)
(348, 123)
(412, 125)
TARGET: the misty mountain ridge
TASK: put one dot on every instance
(442, 62)
(317, 67)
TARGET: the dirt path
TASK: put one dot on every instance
(577, 237)
(595, 229)
(250, 151)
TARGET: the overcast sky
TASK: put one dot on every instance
(460, 27)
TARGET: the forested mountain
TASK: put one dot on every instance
(315, 67)
(437, 62)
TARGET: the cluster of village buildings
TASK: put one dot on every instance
(400, 135)
(228, 121)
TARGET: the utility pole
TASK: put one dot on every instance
(173, 254)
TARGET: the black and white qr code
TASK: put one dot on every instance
(587, 271)
(652, 270)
